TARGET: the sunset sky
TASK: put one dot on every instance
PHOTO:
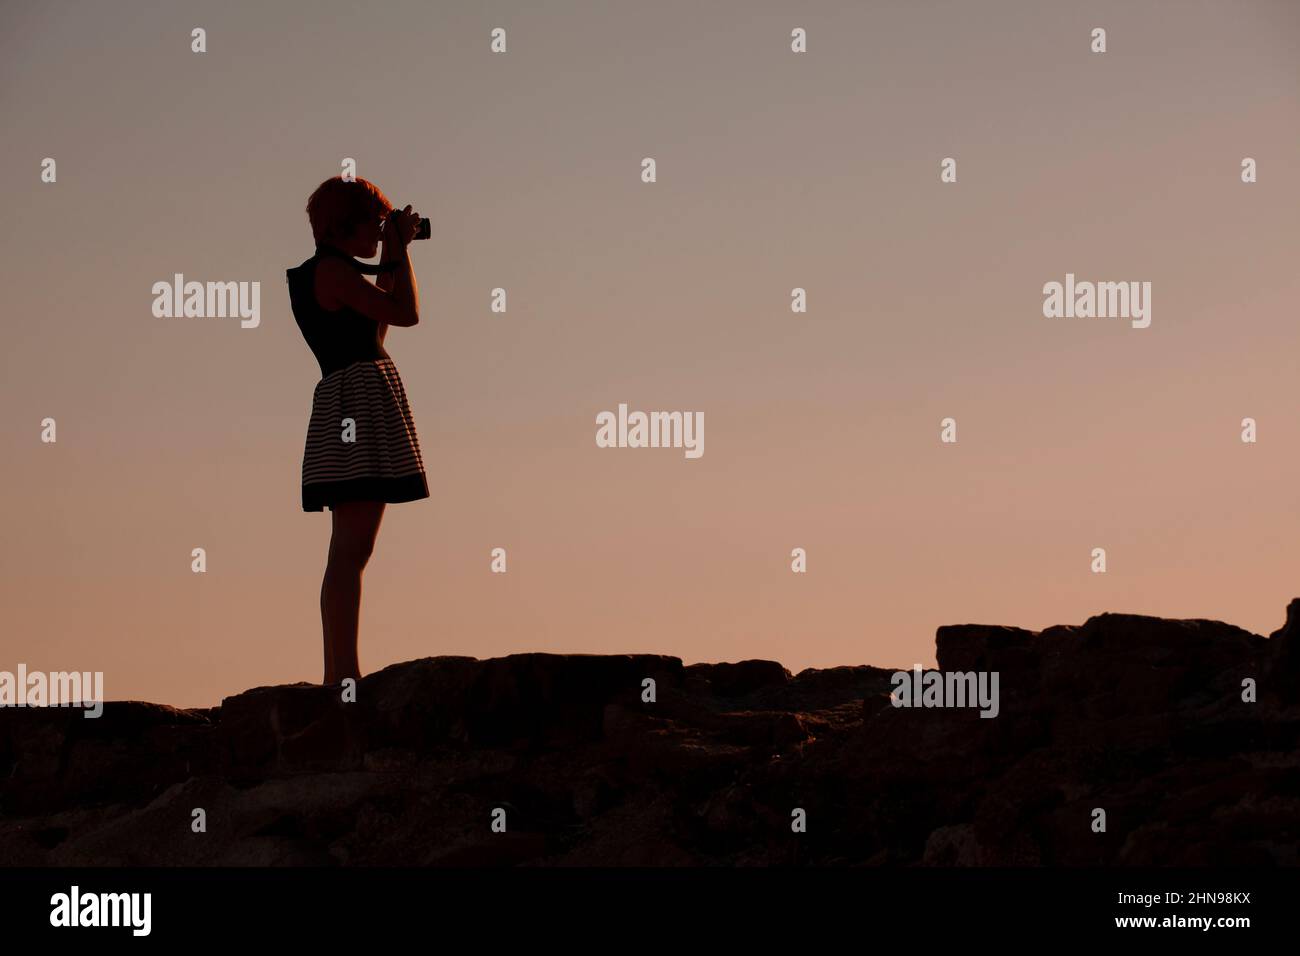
(776, 170)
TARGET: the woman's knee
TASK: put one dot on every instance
(350, 552)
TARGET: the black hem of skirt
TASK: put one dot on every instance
(320, 494)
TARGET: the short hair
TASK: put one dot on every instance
(340, 205)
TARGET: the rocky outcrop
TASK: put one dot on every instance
(1146, 719)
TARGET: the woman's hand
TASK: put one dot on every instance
(405, 222)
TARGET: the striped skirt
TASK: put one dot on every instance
(361, 441)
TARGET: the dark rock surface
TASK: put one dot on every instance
(1140, 716)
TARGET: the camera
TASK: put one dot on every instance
(422, 229)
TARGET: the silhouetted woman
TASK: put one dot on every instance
(361, 450)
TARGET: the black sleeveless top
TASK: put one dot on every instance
(337, 338)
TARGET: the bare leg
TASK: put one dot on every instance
(325, 626)
(356, 524)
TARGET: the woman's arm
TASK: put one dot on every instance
(401, 281)
(398, 305)
(385, 280)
